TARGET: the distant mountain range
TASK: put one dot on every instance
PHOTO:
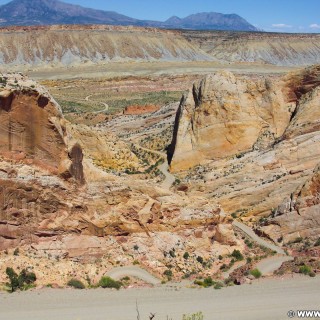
(49, 12)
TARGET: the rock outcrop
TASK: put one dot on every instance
(33, 130)
(225, 116)
(299, 216)
(254, 147)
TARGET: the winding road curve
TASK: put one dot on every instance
(163, 167)
(170, 178)
(256, 238)
(120, 272)
(106, 106)
(268, 265)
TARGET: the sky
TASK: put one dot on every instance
(269, 15)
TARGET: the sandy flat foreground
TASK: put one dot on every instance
(265, 299)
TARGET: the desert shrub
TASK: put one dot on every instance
(297, 240)
(200, 259)
(172, 253)
(312, 274)
(168, 273)
(256, 273)
(194, 316)
(224, 267)
(186, 256)
(218, 286)
(75, 283)
(107, 282)
(135, 262)
(305, 270)
(237, 255)
(248, 243)
(16, 252)
(317, 243)
(208, 282)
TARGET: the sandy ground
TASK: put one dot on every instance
(122, 69)
(264, 299)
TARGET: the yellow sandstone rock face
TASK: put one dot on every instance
(224, 115)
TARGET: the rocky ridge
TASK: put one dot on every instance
(94, 45)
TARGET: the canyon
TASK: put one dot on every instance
(89, 198)
(145, 148)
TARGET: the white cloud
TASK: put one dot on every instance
(281, 25)
(314, 26)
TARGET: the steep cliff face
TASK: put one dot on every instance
(223, 115)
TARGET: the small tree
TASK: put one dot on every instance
(237, 255)
(13, 278)
(200, 259)
(21, 281)
(186, 256)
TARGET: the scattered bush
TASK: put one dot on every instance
(75, 283)
(107, 282)
(306, 270)
(256, 273)
(186, 256)
(16, 252)
(317, 243)
(237, 255)
(135, 262)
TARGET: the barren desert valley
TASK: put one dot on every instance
(164, 162)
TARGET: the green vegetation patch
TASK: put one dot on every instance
(75, 283)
